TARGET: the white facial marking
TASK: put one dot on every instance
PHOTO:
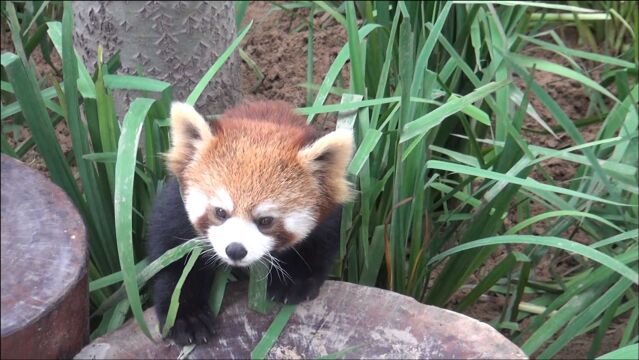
(299, 223)
(196, 203)
(266, 208)
(238, 230)
(223, 200)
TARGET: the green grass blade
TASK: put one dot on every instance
(421, 125)
(114, 278)
(551, 241)
(487, 282)
(98, 210)
(340, 354)
(258, 283)
(527, 182)
(369, 143)
(240, 12)
(149, 271)
(565, 122)
(118, 316)
(632, 234)
(309, 57)
(14, 108)
(577, 214)
(370, 272)
(273, 332)
(335, 69)
(124, 175)
(539, 4)
(586, 317)
(85, 83)
(558, 320)
(557, 69)
(579, 53)
(130, 82)
(319, 109)
(357, 66)
(383, 77)
(38, 121)
(332, 11)
(175, 297)
(631, 326)
(626, 352)
(603, 326)
(217, 289)
(6, 147)
(201, 85)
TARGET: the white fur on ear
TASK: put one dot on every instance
(187, 124)
(328, 157)
(188, 131)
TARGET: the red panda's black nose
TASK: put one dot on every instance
(236, 251)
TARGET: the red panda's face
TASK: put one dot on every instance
(255, 187)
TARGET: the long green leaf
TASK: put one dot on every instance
(273, 332)
(201, 85)
(175, 297)
(528, 182)
(550, 241)
(626, 352)
(578, 214)
(587, 317)
(123, 198)
(39, 123)
(421, 125)
(335, 69)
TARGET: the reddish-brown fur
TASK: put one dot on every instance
(254, 152)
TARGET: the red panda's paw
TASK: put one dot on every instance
(195, 328)
(301, 290)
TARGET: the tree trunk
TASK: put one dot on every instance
(173, 41)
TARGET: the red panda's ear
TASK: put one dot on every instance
(188, 131)
(328, 158)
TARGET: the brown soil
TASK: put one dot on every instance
(280, 53)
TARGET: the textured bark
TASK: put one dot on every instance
(173, 41)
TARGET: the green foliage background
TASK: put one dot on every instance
(440, 160)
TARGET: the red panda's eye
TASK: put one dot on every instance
(265, 221)
(221, 213)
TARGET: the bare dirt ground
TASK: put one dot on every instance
(280, 53)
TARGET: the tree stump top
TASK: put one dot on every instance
(371, 322)
(43, 245)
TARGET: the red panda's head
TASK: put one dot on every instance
(258, 179)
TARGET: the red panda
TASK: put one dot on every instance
(258, 184)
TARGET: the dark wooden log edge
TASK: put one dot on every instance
(68, 310)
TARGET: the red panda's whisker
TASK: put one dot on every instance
(279, 270)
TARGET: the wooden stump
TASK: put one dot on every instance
(45, 304)
(374, 323)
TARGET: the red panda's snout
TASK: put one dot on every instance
(257, 180)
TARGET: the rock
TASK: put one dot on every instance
(45, 296)
(371, 322)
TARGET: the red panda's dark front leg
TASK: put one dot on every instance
(168, 228)
(194, 323)
(307, 264)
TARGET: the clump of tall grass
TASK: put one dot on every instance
(440, 162)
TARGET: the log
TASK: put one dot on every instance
(372, 323)
(45, 302)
